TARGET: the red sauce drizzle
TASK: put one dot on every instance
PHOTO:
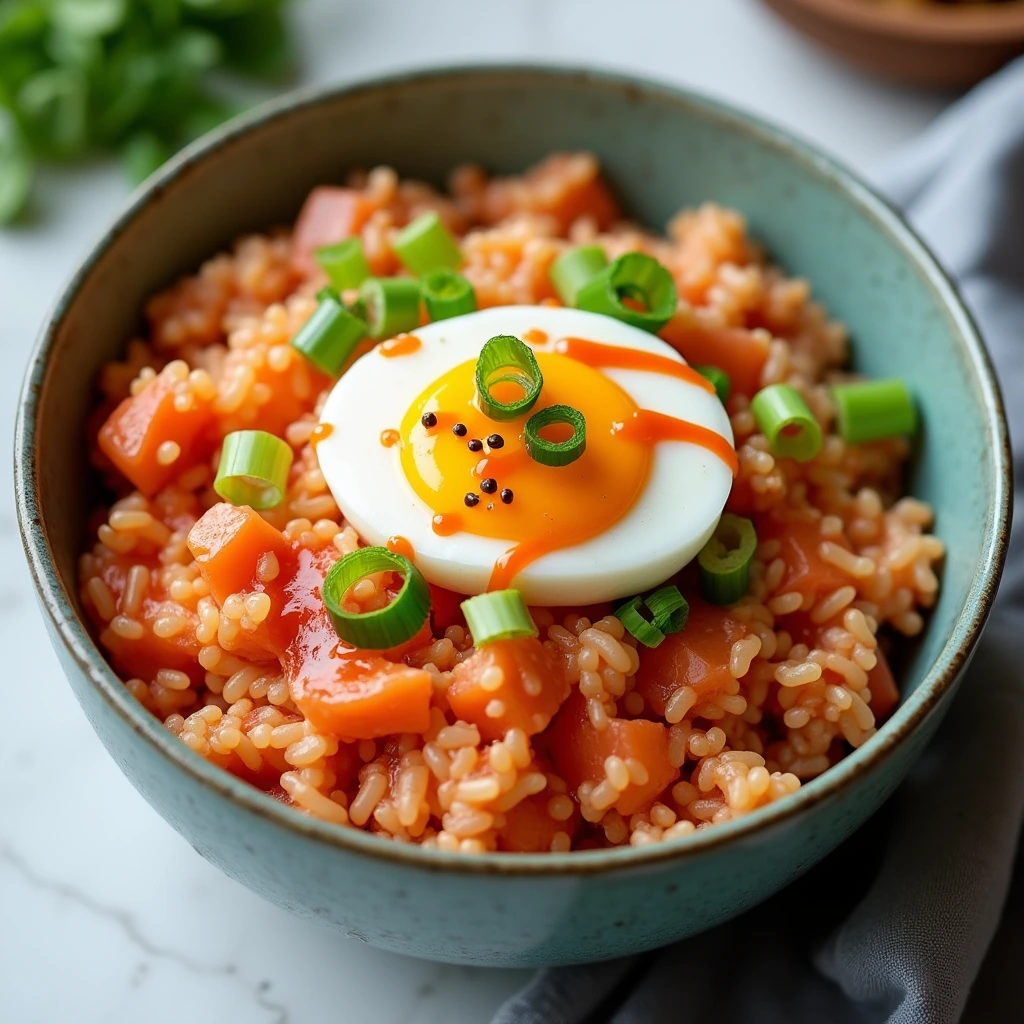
(389, 438)
(403, 345)
(596, 355)
(447, 523)
(321, 432)
(650, 427)
(398, 545)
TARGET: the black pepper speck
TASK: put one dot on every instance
(489, 486)
(460, 430)
(507, 496)
(495, 441)
(476, 445)
(428, 419)
(472, 499)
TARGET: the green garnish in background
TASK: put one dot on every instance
(138, 76)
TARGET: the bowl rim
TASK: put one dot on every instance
(960, 24)
(78, 642)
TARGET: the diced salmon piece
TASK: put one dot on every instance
(578, 752)
(697, 656)
(885, 694)
(328, 215)
(508, 684)
(135, 430)
(529, 828)
(228, 543)
(739, 352)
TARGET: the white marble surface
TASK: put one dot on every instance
(106, 914)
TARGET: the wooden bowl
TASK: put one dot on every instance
(935, 44)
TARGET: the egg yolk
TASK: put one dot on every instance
(536, 508)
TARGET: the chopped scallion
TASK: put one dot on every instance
(253, 469)
(720, 380)
(344, 263)
(668, 609)
(330, 335)
(426, 244)
(783, 417)
(635, 288)
(555, 453)
(392, 305)
(447, 294)
(724, 562)
(498, 615)
(872, 410)
(385, 627)
(646, 632)
(505, 359)
(574, 268)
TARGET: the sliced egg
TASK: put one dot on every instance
(408, 442)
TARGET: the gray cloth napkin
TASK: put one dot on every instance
(896, 924)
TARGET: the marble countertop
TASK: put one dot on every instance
(106, 914)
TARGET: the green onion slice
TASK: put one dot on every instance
(253, 469)
(505, 359)
(392, 305)
(426, 244)
(574, 268)
(637, 278)
(724, 562)
(344, 263)
(668, 608)
(555, 453)
(668, 612)
(447, 294)
(646, 632)
(720, 380)
(783, 417)
(388, 626)
(330, 335)
(498, 615)
(874, 409)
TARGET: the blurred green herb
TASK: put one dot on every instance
(138, 76)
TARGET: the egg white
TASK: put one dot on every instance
(670, 522)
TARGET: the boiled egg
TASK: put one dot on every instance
(414, 463)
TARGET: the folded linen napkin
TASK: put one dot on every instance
(912, 902)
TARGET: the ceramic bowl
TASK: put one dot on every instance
(662, 149)
(936, 44)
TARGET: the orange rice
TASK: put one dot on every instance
(804, 681)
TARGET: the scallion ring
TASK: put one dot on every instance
(724, 562)
(253, 469)
(574, 268)
(392, 305)
(330, 335)
(632, 279)
(344, 263)
(719, 379)
(873, 410)
(426, 244)
(447, 294)
(668, 608)
(646, 632)
(505, 359)
(385, 627)
(783, 417)
(555, 453)
(498, 615)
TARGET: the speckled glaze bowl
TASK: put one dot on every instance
(662, 148)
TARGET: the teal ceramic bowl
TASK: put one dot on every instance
(662, 149)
